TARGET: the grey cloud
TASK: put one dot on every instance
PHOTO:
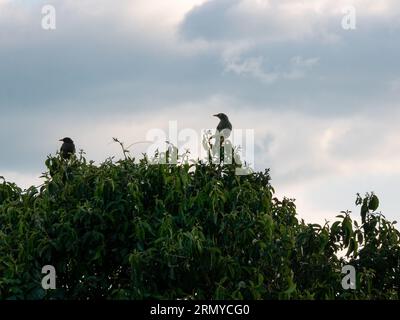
(252, 21)
(210, 21)
(352, 73)
(95, 66)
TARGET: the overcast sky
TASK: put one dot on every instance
(323, 101)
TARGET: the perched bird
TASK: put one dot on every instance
(224, 129)
(67, 148)
(224, 126)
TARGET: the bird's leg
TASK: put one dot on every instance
(221, 150)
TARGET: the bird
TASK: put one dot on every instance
(224, 126)
(224, 129)
(67, 148)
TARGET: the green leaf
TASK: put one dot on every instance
(373, 203)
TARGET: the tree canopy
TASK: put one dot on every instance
(135, 230)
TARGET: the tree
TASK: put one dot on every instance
(136, 230)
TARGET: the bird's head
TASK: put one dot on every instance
(221, 116)
(67, 140)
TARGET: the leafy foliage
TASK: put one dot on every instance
(139, 230)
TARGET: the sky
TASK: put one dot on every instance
(321, 97)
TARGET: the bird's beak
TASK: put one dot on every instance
(61, 140)
(215, 115)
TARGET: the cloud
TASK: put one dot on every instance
(280, 20)
(252, 66)
(299, 67)
(105, 57)
(255, 67)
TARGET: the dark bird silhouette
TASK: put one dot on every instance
(224, 126)
(224, 129)
(67, 148)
